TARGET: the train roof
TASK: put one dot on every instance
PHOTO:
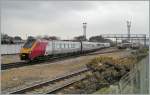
(67, 41)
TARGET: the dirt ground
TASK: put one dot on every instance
(12, 58)
(5, 59)
(19, 77)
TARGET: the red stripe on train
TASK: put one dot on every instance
(38, 50)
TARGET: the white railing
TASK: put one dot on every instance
(10, 49)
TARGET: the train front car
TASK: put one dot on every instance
(26, 49)
(33, 49)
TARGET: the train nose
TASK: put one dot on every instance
(24, 56)
(24, 53)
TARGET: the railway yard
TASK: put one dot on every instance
(74, 47)
(47, 77)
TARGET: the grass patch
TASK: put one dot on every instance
(105, 90)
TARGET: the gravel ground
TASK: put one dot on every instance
(19, 77)
(6, 59)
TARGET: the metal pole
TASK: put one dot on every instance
(116, 41)
(84, 30)
(128, 27)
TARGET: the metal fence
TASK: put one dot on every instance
(134, 82)
(137, 80)
(10, 49)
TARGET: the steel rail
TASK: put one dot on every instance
(22, 64)
(53, 59)
(33, 87)
(53, 91)
(13, 65)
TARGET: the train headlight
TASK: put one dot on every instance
(23, 55)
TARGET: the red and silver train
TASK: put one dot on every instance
(35, 48)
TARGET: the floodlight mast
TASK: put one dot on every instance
(128, 28)
(84, 30)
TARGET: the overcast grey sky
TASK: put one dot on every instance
(64, 18)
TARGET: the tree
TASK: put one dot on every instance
(5, 39)
(80, 38)
(30, 37)
(53, 38)
(17, 38)
(46, 37)
(11, 40)
(4, 36)
(100, 39)
(38, 37)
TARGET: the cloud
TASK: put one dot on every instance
(64, 19)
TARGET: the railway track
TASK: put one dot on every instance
(54, 85)
(13, 65)
(52, 59)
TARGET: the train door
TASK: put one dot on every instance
(49, 48)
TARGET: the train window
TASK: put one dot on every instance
(64, 45)
(54, 45)
(29, 43)
(73, 45)
(59, 45)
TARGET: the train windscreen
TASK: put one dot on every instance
(29, 43)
